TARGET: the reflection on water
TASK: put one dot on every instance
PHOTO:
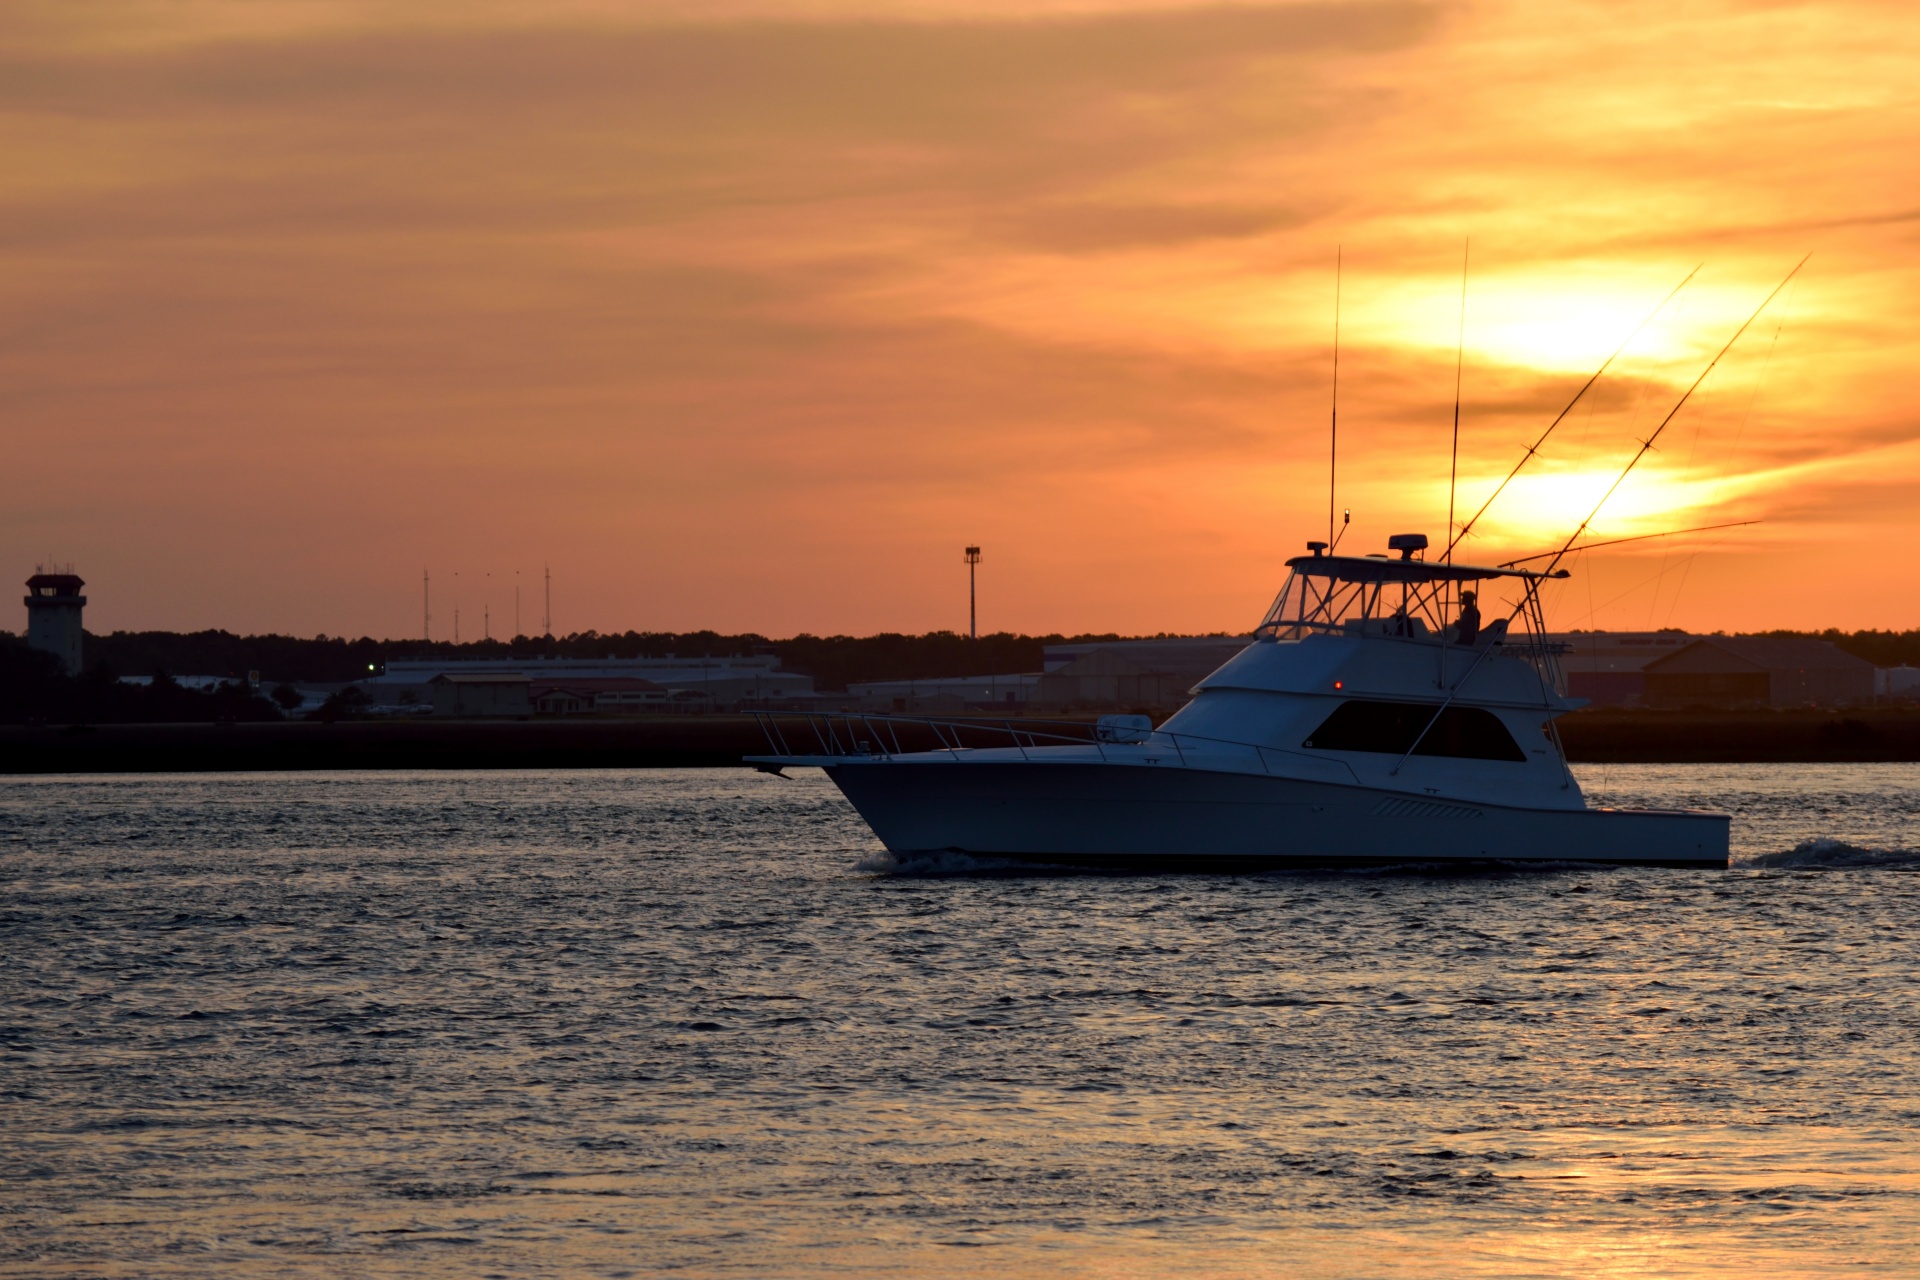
(606, 1024)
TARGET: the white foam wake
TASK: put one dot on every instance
(1831, 854)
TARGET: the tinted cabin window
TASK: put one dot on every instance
(1391, 727)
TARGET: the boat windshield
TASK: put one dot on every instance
(1412, 599)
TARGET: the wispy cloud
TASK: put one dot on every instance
(751, 315)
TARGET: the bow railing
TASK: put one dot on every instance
(856, 735)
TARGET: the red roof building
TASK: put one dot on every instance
(613, 695)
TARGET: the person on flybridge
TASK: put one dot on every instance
(1466, 627)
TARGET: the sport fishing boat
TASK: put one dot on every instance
(1371, 721)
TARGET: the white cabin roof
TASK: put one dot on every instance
(1385, 569)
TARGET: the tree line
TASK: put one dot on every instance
(33, 687)
(832, 661)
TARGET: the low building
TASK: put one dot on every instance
(617, 696)
(715, 684)
(1202, 654)
(1898, 684)
(1608, 668)
(1130, 674)
(199, 684)
(1759, 671)
(481, 694)
(946, 696)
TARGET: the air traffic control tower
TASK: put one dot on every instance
(54, 603)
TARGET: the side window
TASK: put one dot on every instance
(1468, 733)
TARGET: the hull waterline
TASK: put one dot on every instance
(1118, 816)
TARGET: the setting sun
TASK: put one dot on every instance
(747, 322)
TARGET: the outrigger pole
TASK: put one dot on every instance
(1333, 433)
(1455, 539)
(1530, 595)
(1530, 589)
(1459, 359)
(1646, 446)
(1639, 537)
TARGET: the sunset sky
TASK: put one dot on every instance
(750, 316)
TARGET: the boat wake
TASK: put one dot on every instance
(1829, 854)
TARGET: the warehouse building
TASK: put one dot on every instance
(950, 695)
(1759, 671)
(691, 684)
(477, 695)
(1154, 675)
(1608, 668)
(616, 696)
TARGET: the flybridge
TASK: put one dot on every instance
(1382, 569)
(1379, 567)
(1423, 601)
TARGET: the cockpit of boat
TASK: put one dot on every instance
(1402, 597)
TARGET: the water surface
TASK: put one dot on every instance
(696, 1023)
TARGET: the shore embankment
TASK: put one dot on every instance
(1624, 737)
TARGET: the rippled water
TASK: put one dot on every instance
(641, 1023)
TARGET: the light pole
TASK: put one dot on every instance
(973, 605)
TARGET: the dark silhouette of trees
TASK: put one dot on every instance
(831, 660)
(349, 703)
(34, 687)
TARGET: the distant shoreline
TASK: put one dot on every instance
(718, 741)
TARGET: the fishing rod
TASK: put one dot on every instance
(1614, 542)
(1467, 528)
(1531, 589)
(1459, 359)
(1646, 446)
(1333, 429)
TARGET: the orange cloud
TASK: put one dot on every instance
(752, 317)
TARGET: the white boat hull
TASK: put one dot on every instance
(1090, 813)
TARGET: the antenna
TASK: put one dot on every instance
(1459, 359)
(426, 606)
(1646, 446)
(1455, 539)
(1333, 432)
(548, 620)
